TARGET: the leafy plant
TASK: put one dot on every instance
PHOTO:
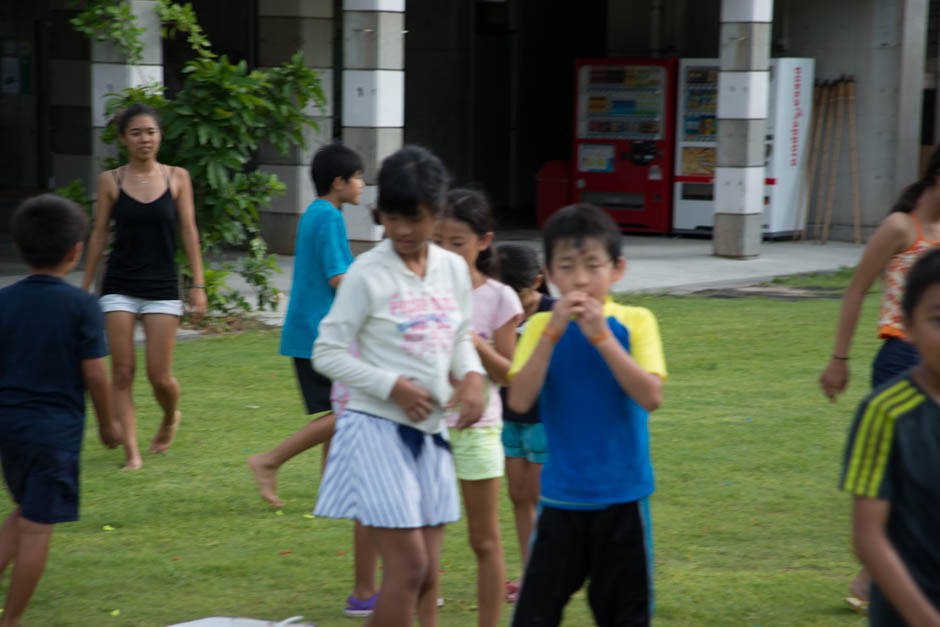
(110, 21)
(181, 17)
(213, 128)
(257, 265)
(76, 192)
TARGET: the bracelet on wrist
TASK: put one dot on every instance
(197, 287)
(600, 338)
(840, 358)
(551, 334)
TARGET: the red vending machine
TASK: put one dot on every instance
(624, 126)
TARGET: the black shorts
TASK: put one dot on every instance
(314, 387)
(611, 547)
(43, 481)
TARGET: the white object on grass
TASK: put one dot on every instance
(225, 621)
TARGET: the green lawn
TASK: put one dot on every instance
(748, 525)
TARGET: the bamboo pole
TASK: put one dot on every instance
(837, 148)
(809, 167)
(853, 156)
(828, 107)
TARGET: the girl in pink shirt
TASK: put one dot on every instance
(466, 228)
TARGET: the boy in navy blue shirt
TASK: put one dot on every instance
(54, 349)
(891, 468)
(596, 369)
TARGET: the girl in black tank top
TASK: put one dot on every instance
(147, 202)
(142, 262)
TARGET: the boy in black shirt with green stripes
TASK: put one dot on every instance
(892, 467)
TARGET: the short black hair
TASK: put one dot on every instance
(517, 265)
(924, 273)
(471, 207)
(331, 161)
(46, 227)
(409, 177)
(581, 221)
(124, 117)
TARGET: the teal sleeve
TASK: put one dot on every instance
(335, 256)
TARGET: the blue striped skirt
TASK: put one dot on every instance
(375, 476)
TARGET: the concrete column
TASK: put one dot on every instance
(911, 82)
(110, 73)
(373, 95)
(284, 27)
(743, 82)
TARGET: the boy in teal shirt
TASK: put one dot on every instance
(321, 258)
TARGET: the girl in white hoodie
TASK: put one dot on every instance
(407, 305)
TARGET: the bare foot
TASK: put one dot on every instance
(266, 478)
(164, 438)
(133, 464)
(860, 585)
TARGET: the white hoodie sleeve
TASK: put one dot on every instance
(465, 357)
(338, 331)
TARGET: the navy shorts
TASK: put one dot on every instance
(43, 481)
(612, 547)
(894, 357)
(314, 387)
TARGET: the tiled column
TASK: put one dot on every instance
(111, 73)
(284, 27)
(373, 96)
(742, 114)
(69, 100)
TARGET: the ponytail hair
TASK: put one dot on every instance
(473, 209)
(124, 117)
(517, 265)
(911, 194)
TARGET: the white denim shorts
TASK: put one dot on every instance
(140, 306)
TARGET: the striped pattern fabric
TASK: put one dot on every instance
(872, 436)
(373, 477)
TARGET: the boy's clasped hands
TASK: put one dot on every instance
(585, 310)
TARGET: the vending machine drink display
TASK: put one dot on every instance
(624, 138)
(789, 112)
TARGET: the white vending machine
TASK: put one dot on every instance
(790, 109)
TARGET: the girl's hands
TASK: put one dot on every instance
(414, 400)
(469, 395)
(834, 378)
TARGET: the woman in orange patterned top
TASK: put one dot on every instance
(912, 227)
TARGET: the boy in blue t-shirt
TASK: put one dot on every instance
(595, 381)
(54, 349)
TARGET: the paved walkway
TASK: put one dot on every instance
(657, 264)
(680, 265)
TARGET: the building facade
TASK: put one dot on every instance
(487, 85)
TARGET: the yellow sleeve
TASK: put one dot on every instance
(527, 342)
(646, 347)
